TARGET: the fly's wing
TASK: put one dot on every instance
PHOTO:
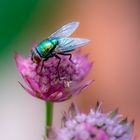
(69, 44)
(66, 30)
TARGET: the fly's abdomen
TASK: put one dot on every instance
(44, 48)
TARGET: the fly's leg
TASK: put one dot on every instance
(68, 54)
(58, 64)
(42, 64)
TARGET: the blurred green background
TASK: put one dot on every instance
(24, 22)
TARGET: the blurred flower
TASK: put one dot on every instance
(93, 126)
(43, 80)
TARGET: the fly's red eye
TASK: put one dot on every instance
(37, 59)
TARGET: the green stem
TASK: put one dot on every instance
(49, 116)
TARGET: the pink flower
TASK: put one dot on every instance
(46, 84)
(93, 126)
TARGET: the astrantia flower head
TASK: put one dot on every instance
(93, 126)
(43, 80)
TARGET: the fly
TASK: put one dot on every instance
(58, 43)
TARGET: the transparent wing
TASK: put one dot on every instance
(68, 44)
(66, 30)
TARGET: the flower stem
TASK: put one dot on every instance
(49, 116)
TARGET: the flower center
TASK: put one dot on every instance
(96, 133)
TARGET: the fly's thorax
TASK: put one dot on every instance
(46, 47)
(54, 42)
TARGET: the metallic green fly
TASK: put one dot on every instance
(58, 43)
